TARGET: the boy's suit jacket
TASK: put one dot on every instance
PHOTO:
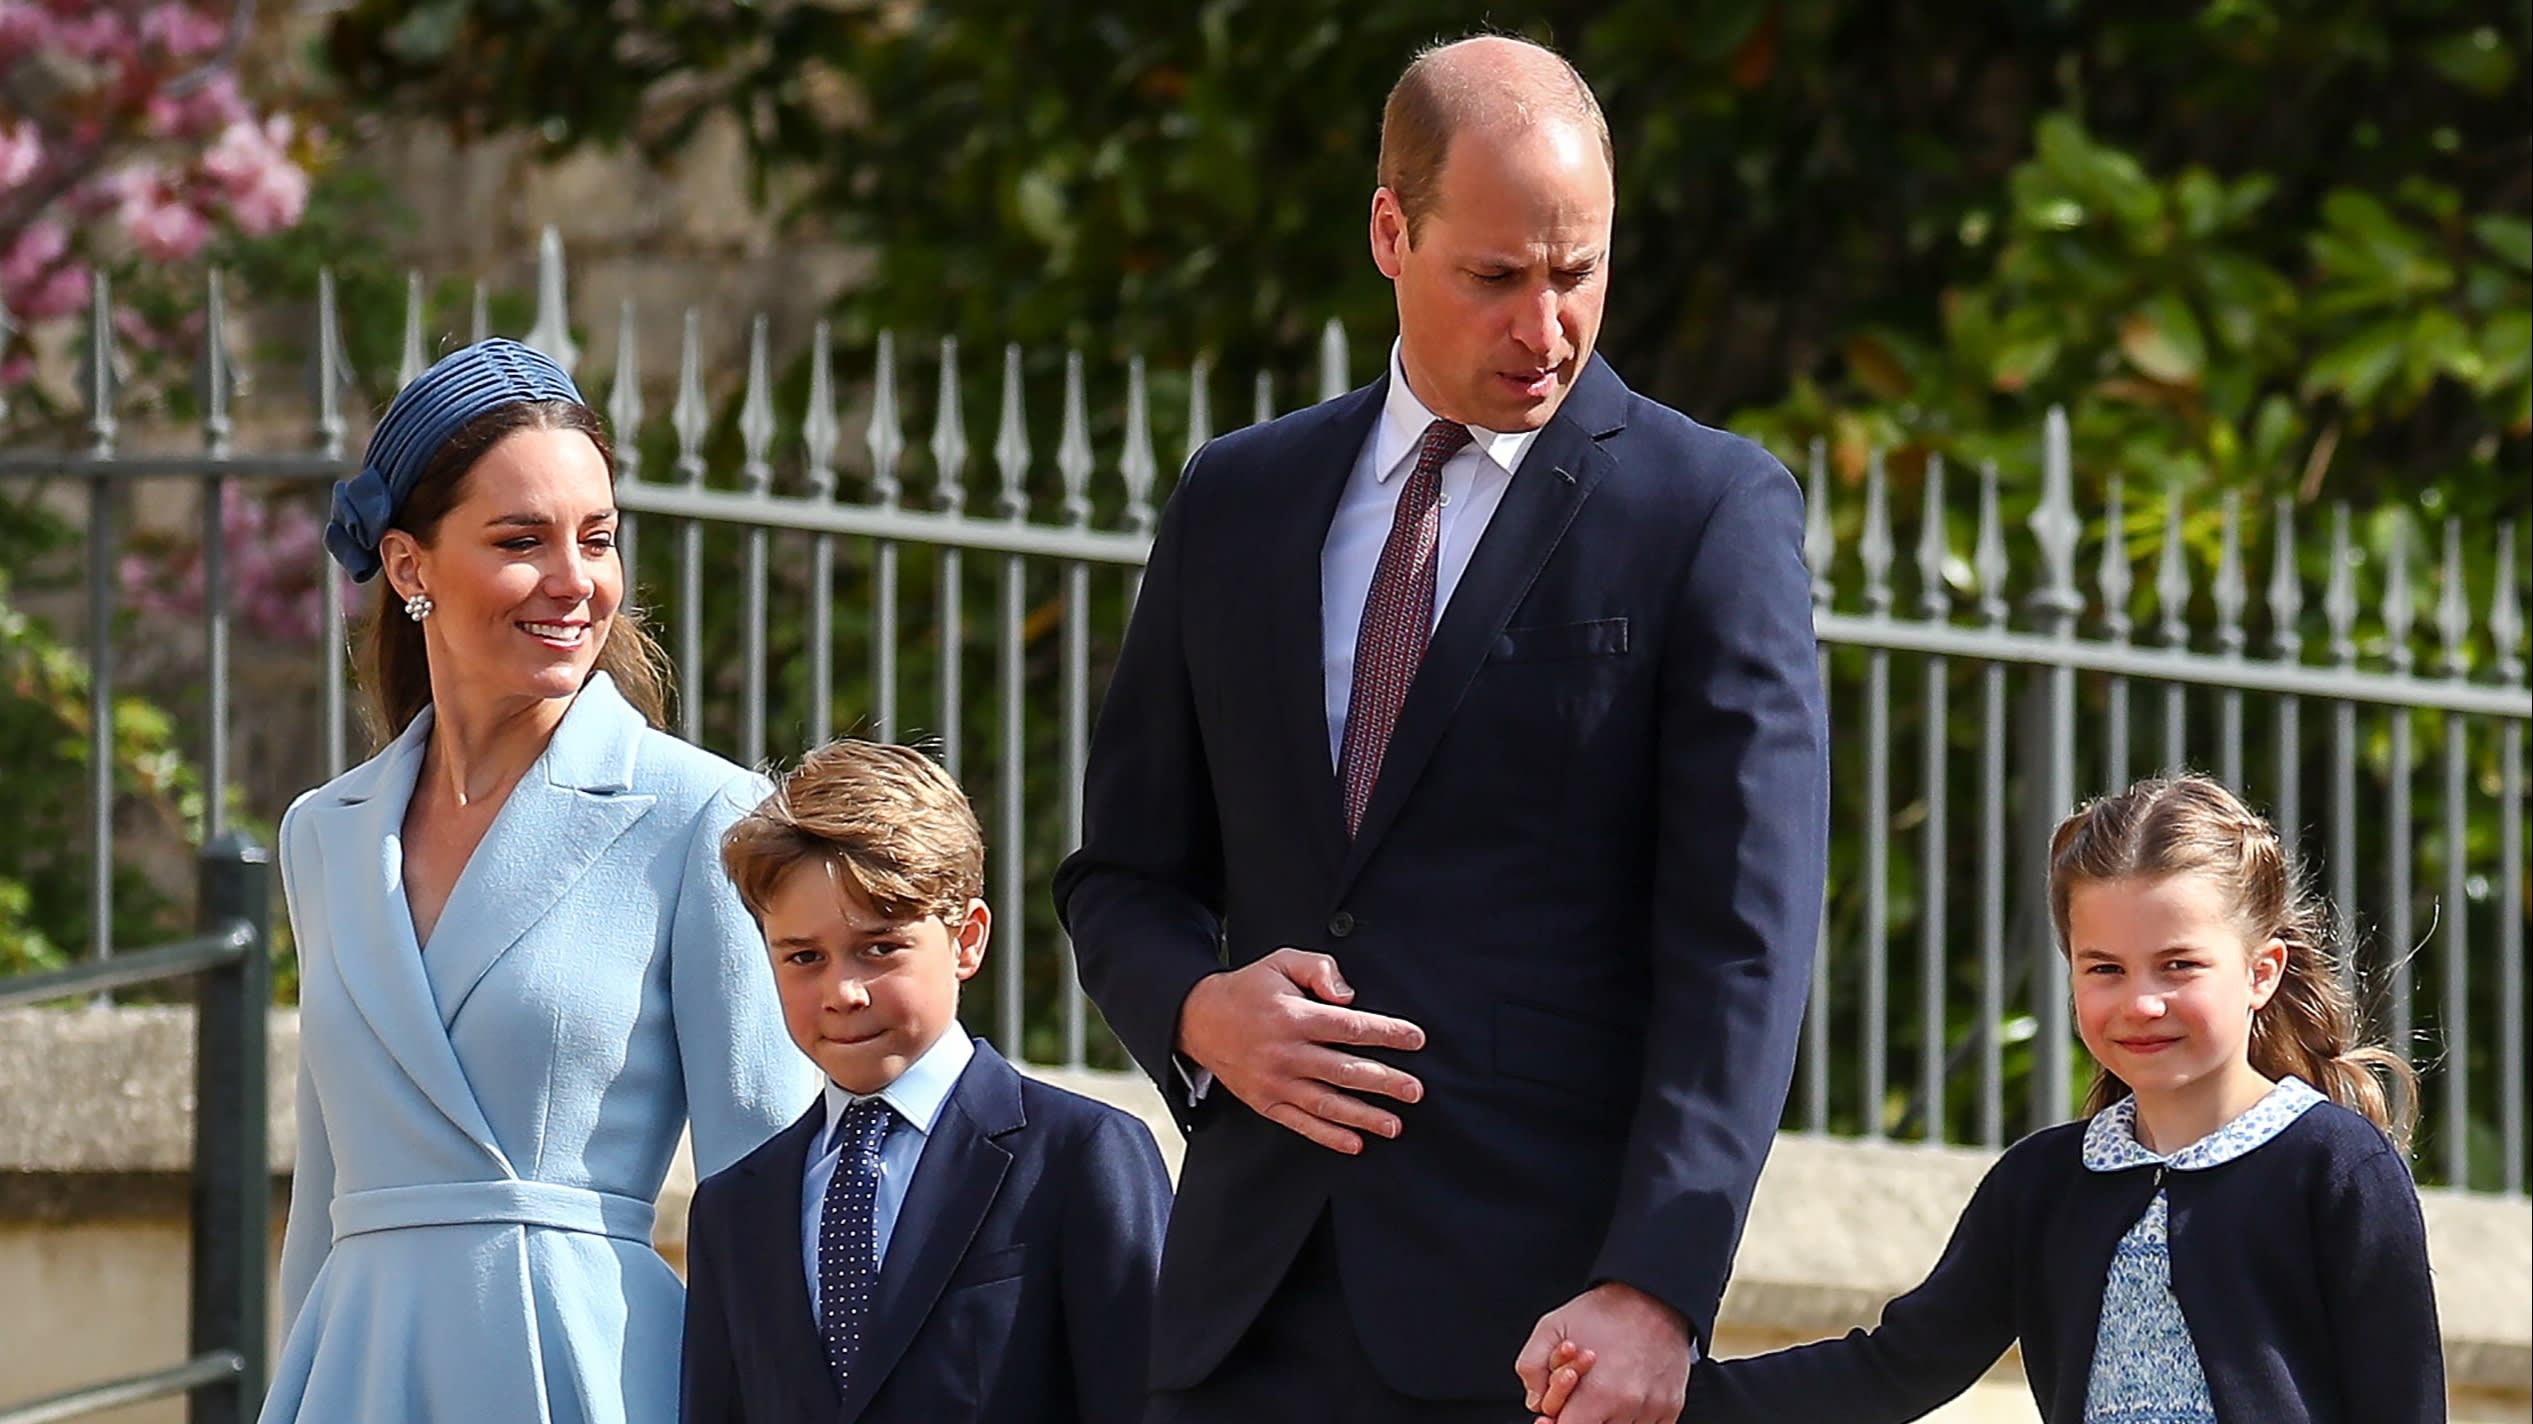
(1017, 1288)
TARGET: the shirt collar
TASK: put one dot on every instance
(919, 1094)
(1402, 429)
(2111, 1145)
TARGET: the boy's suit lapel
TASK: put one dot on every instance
(771, 1233)
(956, 1179)
(560, 820)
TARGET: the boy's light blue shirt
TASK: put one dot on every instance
(917, 1096)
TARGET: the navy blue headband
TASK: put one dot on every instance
(459, 387)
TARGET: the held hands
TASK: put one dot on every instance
(1274, 1033)
(1630, 1358)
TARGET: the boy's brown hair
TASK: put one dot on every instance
(887, 816)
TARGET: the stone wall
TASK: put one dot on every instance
(95, 1123)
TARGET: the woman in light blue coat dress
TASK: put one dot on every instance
(521, 969)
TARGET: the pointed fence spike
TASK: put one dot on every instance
(552, 333)
(2286, 582)
(1262, 399)
(2339, 597)
(2230, 594)
(1011, 442)
(756, 414)
(1200, 407)
(99, 360)
(2399, 610)
(949, 433)
(690, 416)
(819, 431)
(217, 379)
(2054, 524)
(1136, 465)
(2453, 607)
(479, 315)
(886, 437)
(328, 373)
(411, 361)
(2113, 577)
(2506, 621)
(1988, 557)
(1820, 538)
(2172, 576)
(1333, 381)
(1874, 548)
(1073, 459)
(1934, 547)
(624, 394)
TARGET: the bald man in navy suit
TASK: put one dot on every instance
(1455, 827)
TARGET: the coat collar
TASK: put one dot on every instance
(955, 1183)
(565, 813)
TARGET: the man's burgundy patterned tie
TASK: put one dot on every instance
(1398, 618)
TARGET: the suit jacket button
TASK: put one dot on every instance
(1341, 924)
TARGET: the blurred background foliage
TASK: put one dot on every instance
(2253, 243)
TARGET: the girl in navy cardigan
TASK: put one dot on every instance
(2232, 1237)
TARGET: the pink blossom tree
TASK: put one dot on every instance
(127, 140)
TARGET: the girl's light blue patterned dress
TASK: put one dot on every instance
(2145, 1369)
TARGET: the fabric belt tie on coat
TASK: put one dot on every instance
(544, 1204)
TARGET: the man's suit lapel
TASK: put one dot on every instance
(961, 1169)
(1558, 473)
(1322, 462)
(771, 1271)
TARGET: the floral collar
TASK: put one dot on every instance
(2111, 1145)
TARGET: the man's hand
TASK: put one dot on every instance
(1640, 1356)
(1274, 1034)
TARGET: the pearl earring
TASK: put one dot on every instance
(418, 607)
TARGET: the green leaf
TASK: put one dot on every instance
(2510, 239)
(2475, 59)
(2506, 350)
(2358, 367)
(2023, 361)
(2162, 340)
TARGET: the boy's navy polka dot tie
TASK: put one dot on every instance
(848, 1235)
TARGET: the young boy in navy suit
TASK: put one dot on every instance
(939, 1239)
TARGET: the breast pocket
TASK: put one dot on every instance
(1544, 692)
(1541, 642)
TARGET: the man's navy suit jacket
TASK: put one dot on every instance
(1017, 1288)
(1591, 870)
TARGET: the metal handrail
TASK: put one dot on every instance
(231, 1173)
(217, 1367)
(173, 961)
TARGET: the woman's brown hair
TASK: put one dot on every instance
(395, 664)
(2189, 824)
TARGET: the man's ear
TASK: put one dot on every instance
(1389, 233)
(967, 939)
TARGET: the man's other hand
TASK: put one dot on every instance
(1640, 1356)
(1275, 1033)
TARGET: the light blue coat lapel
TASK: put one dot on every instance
(360, 834)
(562, 817)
